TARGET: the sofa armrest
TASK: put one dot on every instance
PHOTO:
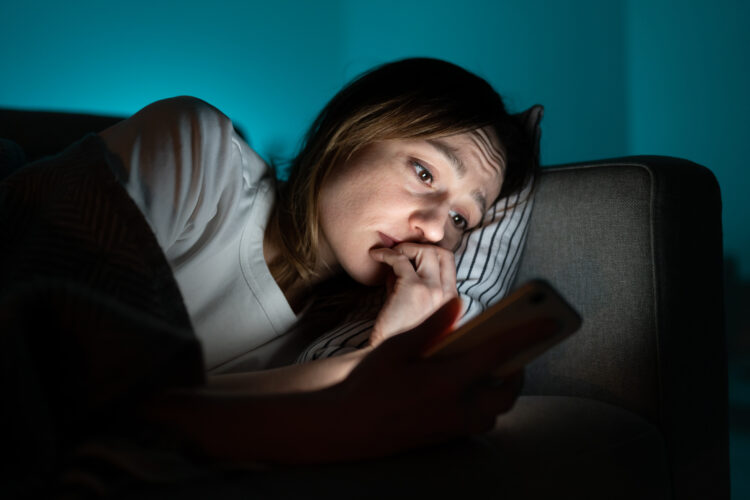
(44, 133)
(636, 245)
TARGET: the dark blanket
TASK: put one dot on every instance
(91, 317)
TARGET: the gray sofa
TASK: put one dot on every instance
(633, 406)
(636, 244)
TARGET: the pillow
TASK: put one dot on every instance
(486, 263)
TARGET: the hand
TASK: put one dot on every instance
(396, 400)
(423, 279)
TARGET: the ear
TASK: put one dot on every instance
(531, 120)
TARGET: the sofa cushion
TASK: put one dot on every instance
(582, 448)
(44, 133)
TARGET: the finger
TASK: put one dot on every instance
(410, 344)
(401, 265)
(428, 267)
(426, 260)
(413, 251)
(447, 264)
(390, 281)
(434, 263)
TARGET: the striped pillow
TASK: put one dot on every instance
(486, 265)
(487, 260)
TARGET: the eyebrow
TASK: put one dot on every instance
(450, 153)
(460, 168)
(481, 201)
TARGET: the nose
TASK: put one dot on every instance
(429, 224)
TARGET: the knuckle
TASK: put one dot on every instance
(444, 252)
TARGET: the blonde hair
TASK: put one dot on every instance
(411, 98)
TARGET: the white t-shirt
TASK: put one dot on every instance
(207, 197)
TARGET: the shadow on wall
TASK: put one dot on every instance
(737, 305)
(737, 302)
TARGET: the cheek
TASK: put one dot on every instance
(451, 240)
(346, 211)
(350, 211)
(338, 198)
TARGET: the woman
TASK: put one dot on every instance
(395, 168)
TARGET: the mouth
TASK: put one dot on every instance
(387, 241)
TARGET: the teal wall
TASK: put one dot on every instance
(689, 96)
(617, 77)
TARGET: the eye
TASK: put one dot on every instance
(423, 174)
(458, 220)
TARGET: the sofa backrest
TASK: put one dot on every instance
(590, 237)
(44, 133)
(636, 245)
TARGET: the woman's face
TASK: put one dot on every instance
(419, 190)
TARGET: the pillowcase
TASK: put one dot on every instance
(486, 263)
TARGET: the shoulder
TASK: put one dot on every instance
(181, 162)
(184, 115)
(182, 119)
(183, 142)
(181, 132)
(185, 106)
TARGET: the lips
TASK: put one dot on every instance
(387, 241)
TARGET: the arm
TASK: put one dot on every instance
(279, 428)
(305, 377)
(392, 400)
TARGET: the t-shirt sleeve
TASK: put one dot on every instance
(174, 157)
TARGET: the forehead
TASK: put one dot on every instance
(478, 146)
(477, 154)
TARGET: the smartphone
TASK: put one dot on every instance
(534, 317)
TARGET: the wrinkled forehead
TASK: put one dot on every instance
(482, 152)
(489, 149)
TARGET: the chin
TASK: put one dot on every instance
(373, 276)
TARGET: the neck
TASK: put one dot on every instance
(297, 292)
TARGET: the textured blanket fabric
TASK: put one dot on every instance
(91, 317)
